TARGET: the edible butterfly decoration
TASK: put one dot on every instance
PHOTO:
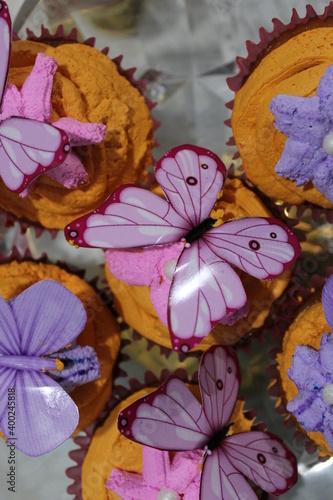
(27, 147)
(204, 288)
(36, 414)
(172, 419)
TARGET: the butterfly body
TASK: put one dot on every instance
(204, 288)
(172, 419)
(197, 232)
(28, 147)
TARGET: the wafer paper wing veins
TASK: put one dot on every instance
(205, 288)
(27, 147)
(172, 419)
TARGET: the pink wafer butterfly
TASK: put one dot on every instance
(27, 147)
(172, 419)
(205, 288)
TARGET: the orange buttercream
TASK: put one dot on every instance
(293, 67)
(109, 449)
(307, 329)
(88, 87)
(134, 305)
(101, 331)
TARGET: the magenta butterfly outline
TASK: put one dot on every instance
(27, 147)
(172, 419)
(204, 287)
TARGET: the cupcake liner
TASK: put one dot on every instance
(58, 38)
(255, 53)
(316, 282)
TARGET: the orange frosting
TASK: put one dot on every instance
(293, 67)
(87, 86)
(307, 329)
(134, 305)
(109, 449)
(101, 331)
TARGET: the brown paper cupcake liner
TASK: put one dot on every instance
(275, 389)
(59, 37)
(255, 53)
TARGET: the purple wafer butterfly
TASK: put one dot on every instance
(205, 288)
(36, 414)
(172, 419)
(27, 147)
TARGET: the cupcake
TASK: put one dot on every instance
(101, 108)
(152, 283)
(122, 455)
(100, 331)
(305, 374)
(134, 469)
(280, 119)
(118, 453)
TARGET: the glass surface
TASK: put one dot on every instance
(185, 50)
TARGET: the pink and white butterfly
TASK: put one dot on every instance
(172, 419)
(204, 288)
(27, 147)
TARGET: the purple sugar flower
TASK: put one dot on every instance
(312, 372)
(308, 124)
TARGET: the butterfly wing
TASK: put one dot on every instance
(220, 479)
(9, 334)
(45, 416)
(5, 45)
(131, 217)
(170, 418)
(264, 459)
(48, 317)
(191, 177)
(219, 379)
(28, 148)
(204, 289)
(328, 301)
(261, 247)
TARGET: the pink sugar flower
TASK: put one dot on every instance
(34, 101)
(160, 477)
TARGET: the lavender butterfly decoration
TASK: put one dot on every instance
(172, 419)
(27, 147)
(42, 320)
(205, 288)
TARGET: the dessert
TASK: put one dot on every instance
(119, 453)
(184, 248)
(100, 108)
(280, 115)
(172, 419)
(101, 331)
(130, 477)
(305, 370)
